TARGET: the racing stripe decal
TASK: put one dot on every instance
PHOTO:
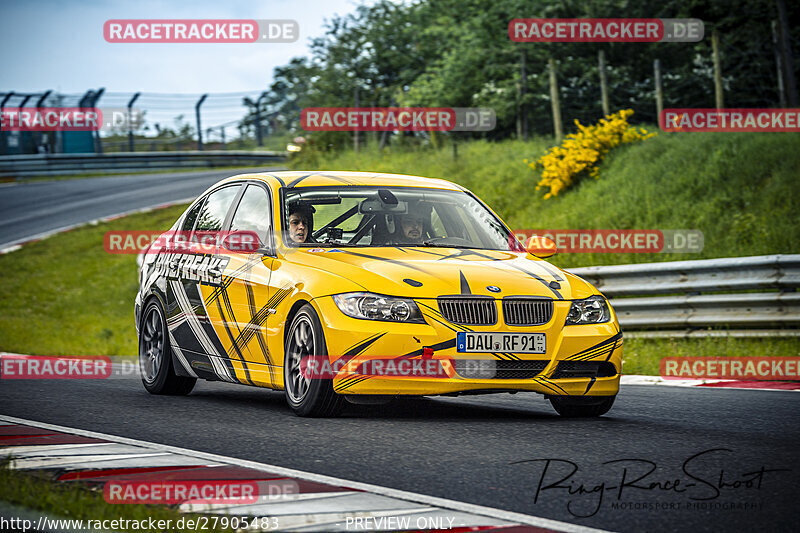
(589, 386)
(349, 382)
(280, 180)
(194, 294)
(392, 261)
(602, 348)
(465, 290)
(618, 345)
(197, 328)
(356, 350)
(179, 354)
(257, 321)
(298, 180)
(549, 268)
(251, 305)
(329, 176)
(539, 279)
(228, 279)
(235, 346)
(552, 385)
(360, 346)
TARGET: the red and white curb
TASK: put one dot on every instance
(16, 245)
(321, 503)
(716, 383)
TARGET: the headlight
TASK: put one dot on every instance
(370, 306)
(592, 310)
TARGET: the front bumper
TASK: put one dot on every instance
(355, 341)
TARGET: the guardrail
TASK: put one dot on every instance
(21, 166)
(745, 310)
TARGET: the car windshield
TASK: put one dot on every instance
(391, 216)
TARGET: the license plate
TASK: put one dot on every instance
(472, 342)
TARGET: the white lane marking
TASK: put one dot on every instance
(491, 512)
(47, 447)
(77, 460)
(102, 449)
(264, 498)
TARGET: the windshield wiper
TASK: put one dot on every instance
(433, 244)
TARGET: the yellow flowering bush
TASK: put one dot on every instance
(580, 152)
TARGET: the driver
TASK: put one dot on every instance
(301, 222)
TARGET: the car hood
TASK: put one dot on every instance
(433, 272)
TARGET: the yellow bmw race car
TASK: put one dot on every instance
(360, 286)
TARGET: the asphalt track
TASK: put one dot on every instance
(30, 209)
(470, 449)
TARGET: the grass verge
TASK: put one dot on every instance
(66, 295)
(642, 356)
(73, 501)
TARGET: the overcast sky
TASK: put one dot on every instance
(58, 44)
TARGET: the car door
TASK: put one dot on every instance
(240, 307)
(195, 273)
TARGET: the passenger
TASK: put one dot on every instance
(412, 224)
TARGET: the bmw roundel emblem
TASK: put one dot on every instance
(493, 288)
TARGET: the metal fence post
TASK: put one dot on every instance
(130, 123)
(197, 116)
(98, 144)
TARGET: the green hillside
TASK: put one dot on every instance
(741, 189)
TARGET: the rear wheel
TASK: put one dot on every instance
(582, 406)
(155, 361)
(306, 396)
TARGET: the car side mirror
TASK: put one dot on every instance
(541, 247)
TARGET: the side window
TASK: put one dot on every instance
(191, 216)
(212, 215)
(254, 213)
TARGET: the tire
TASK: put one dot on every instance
(307, 397)
(582, 406)
(155, 359)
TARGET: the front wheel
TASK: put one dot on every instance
(155, 361)
(582, 406)
(313, 397)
